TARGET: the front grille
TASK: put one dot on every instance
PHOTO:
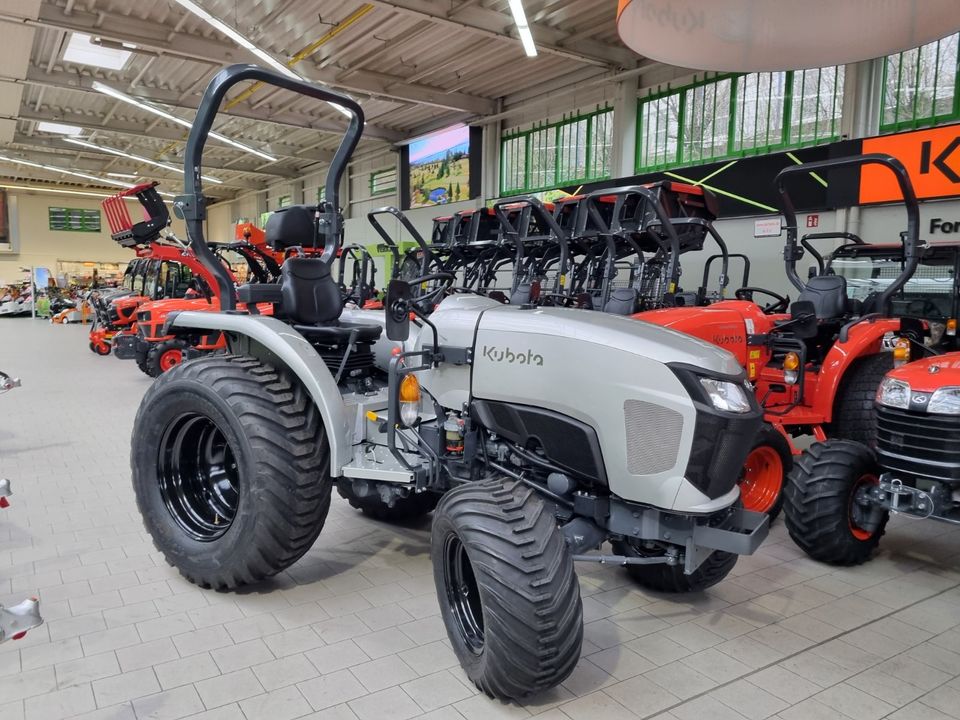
(921, 445)
(653, 437)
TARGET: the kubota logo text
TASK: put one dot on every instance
(506, 355)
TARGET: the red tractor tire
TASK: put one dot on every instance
(164, 356)
(765, 473)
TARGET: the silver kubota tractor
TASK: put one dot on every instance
(536, 434)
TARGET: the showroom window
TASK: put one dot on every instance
(574, 150)
(921, 86)
(383, 182)
(729, 116)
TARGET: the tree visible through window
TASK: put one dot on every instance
(920, 86)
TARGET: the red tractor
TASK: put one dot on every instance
(815, 365)
(841, 493)
(163, 268)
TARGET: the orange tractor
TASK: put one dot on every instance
(164, 267)
(815, 364)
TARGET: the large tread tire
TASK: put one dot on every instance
(853, 417)
(280, 448)
(671, 578)
(412, 506)
(818, 501)
(532, 615)
(771, 454)
(155, 364)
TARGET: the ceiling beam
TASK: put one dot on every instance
(16, 174)
(136, 130)
(39, 147)
(213, 52)
(491, 23)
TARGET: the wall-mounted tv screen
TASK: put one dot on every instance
(441, 168)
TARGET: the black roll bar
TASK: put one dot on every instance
(531, 206)
(615, 228)
(191, 206)
(394, 250)
(911, 239)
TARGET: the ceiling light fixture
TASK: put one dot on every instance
(520, 18)
(124, 175)
(138, 158)
(51, 168)
(81, 49)
(58, 128)
(244, 43)
(123, 97)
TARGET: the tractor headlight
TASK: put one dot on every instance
(945, 401)
(894, 393)
(726, 396)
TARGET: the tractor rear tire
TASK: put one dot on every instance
(164, 356)
(853, 406)
(231, 470)
(820, 502)
(671, 578)
(765, 473)
(507, 588)
(410, 507)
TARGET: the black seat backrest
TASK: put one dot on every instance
(291, 227)
(828, 293)
(623, 301)
(309, 293)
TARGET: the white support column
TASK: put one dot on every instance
(490, 173)
(625, 129)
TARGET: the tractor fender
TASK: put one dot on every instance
(282, 345)
(863, 339)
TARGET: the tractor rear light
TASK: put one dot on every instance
(952, 327)
(791, 368)
(901, 352)
(409, 400)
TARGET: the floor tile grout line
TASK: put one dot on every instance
(843, 634)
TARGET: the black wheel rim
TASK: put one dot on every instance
(199, 482)
(463, 593)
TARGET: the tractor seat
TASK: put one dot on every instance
(308, 293)
(828, 293)
(623, 301)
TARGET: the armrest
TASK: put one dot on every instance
(259, 293)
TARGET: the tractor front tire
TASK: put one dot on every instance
(164, 356)
(853, 406)
(822, 507)
(507, 588)
(231, 470)
(765, 473)
(412, 506)
(100, 347)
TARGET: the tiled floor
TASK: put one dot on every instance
(353, 629)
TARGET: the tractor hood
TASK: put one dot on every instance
(930, 373)
(605, 330)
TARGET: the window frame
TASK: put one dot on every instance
(933, 119)
(554, 172)
(783, 142)
(377, 174)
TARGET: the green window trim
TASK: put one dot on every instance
(574, 150)
(73, 219)
(929, 74)
(383, 182)
(724, 116)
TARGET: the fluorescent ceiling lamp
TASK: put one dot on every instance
(52, 190)
(138, 158)
(59, 128)
(123, 97)
(244, 43)
(83, 51)
(124, 175)
(51, 168)
(520, 18)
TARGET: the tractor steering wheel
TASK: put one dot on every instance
(782, 302)
(427, 299)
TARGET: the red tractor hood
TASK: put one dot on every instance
(930, 373)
